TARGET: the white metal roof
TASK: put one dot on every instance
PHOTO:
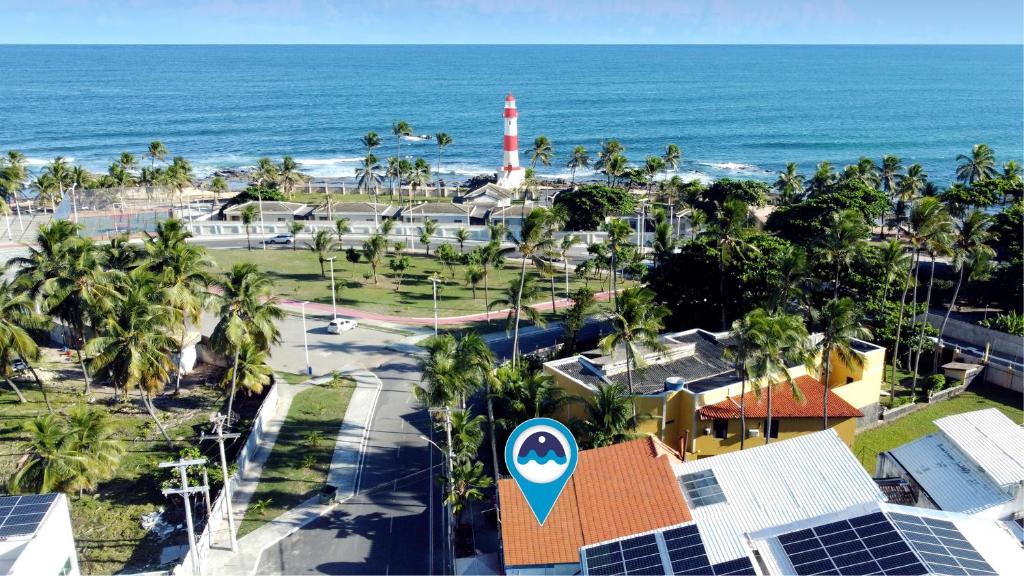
(784, 482)
(991, 439)
(951, 479)
(990, 538)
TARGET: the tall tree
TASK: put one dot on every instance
(611, 417)
(443, 140)
(156, 152)
(636, 326)
(49, 458)
(289, 176)
(790, 184)
(842, 242)
(374, 249)
(17, 317)
(322, 245)
(368, 174)
(542, 151)
(673, 155)
(840, 322)
(579, 158)
(730, 232)
(250, 214)
(971, 240)
(980, 165)
(534, 238)
(399, 130)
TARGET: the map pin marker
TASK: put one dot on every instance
(541, 455)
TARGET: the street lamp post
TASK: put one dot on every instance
(263, 225)
(433, 281)
(305, 339)
(74, 203)
(334, 303)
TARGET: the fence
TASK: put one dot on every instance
(218, 513)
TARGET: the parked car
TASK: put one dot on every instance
(280, 239)
(18, 365)
(339, 325)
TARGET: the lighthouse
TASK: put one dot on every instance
(511, 174)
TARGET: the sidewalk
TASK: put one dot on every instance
(345, 473)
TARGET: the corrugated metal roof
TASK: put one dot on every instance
(949, 477)
(778, 484)
(991, 439)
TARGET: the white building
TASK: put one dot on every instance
(36, 536)
(974, 464)
(444, 213)
(273, 211)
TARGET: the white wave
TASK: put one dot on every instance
(733, 167)
(30, 161)
(328, 161)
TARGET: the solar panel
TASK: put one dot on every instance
(941, 545)
(682, 548)
(867, 544)
(702, 488)
(22, 515)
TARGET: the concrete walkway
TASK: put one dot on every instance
(345, 473)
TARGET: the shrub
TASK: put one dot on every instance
(1010, 322)
(935, 382)
(590, 204)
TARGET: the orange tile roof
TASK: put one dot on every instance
(615, 491)
(784, 405)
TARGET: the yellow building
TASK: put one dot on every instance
(692, 395)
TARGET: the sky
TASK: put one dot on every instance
(512, 22)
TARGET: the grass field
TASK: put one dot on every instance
(297, 467)
(868, 444)
(106, 524)
(297, 276)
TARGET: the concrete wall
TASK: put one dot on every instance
(1002, 344)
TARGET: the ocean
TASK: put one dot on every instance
(737, 111)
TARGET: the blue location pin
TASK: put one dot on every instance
(541, 455)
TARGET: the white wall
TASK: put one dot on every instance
(50, 549)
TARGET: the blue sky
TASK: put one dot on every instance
(511, 21)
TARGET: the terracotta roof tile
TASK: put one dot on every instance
(784, 405)
(615, 491)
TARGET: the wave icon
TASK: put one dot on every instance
(549, 456)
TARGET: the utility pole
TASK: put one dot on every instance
(433, 281)
(185, 490)
(334, 304)
(263, 225)
(218, 429)
(451, 477)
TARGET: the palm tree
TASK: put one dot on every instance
(578, 159)
(889, 175)
(522, 394)
(249, 214)
(565, 245)
(253, 373)
(980, 165)
(636, 323)
(443, 140)
(120, 254)
(491, 256)
(374, 249)
(295, 228)
(371, 140)
(156, 152)
(618, 234)
(368, 174)
(534, 238)
(840, 322)
(341, 227)
(939, 242)
(541, 151)
(822, 180)
(429, 228)
(127, 161)
(842, 242)
(474, 275)
(17, 317)
(59, 173)
(248, 314)
(730, 232)
(673, 155)
(911, 184)
(322, 245)
(289, 175)
(516, 298)
(611, 417)
(780, 342)
(971, 240)
(218, 186)
(653, 165)
(134, 344)
(468, 483)
(49, 459)
(615, 167)
(467, 435)
(746, 337)
(609, 150)
(790, 184)
(461, 236)
(394, 172)
(399, 129)
(90, 434)
(265, 173)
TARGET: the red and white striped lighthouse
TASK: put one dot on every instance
(511, 175)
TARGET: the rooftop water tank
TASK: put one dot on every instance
(675, 383)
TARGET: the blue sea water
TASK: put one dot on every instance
(741, 111)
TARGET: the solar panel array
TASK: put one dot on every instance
(682, 548)
(941, 545)
(22, 515)
(867, 544)
(880, 544)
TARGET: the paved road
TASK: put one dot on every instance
(389, 527)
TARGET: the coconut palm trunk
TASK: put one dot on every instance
(42, 388)
(721, 284)
(743, 411)
(924, 322)
(487, 297)
(899, 328)
(768, 417)
(519, 308)
(945, 319)
(826, 374)
(913, 327)
(234, 380)
(181, 347)
(21, 397)
(147, 403)
(490, 419)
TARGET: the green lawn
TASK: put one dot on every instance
(297, 276)
(868, 444)
(297, 467)
(106, 526)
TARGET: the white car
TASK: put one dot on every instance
(280, 239)
(339, 325)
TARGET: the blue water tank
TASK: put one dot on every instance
(675, 383)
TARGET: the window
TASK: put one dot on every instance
(775, 428)
(720, 428)
(702, 488)
(458, 220)
(66, 569)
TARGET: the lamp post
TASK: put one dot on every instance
(74, 203)
(433, 281)
(334, 304)
(263, 225)
(305, 338)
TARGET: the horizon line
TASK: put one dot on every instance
(618, 44)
